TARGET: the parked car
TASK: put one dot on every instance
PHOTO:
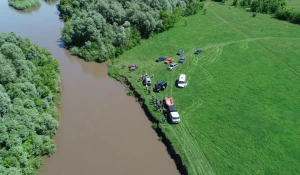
(133, 67)
(173, 114)
(182, 81)
(172, 111)
(169, 60)
(160, 86)
(182, 60)
(198, 52)
(180, 52)
(172, 66)
(147, 81)
(161, 58)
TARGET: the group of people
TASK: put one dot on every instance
(158, 104)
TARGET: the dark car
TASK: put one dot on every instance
(198, 52)
(160, 86)
(180, 52)
(182, 60)
(161, 58)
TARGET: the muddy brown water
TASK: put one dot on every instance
(102, 131)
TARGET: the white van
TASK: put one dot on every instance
(182, 81)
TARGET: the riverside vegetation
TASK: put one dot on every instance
(24, 4)
(27, 4)
(100, 30)
(239, 112)
(29, 94)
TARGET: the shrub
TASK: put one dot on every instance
(154, 126)
(24, 4)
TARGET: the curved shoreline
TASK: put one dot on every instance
(167, 142)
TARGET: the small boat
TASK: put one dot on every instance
(169, 101)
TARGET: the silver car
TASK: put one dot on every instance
(172, 66)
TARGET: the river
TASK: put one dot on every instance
(102, 130)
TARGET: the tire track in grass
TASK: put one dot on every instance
(171, 91)
(247, 37)
(207, 168)
(212, 57)
(184, 147)
(221, 153)
(198, 163)
(197, 102)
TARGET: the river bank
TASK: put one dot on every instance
(156, 123)
(102, 130)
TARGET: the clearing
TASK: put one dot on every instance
(240, 111)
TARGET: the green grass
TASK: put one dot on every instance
(240, 111)
(24, 4)
(294, 4)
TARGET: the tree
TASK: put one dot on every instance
(7, 71)
(33, 54)
(48, 125)
(12, 52)
(5, 104)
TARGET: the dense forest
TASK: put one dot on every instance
(277, 7)
(97, 30)
(29, 94)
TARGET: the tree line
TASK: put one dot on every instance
(29, 94)
(277, 7)
(97, 30)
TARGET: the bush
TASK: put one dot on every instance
(154, 126)
(24, 4)
(129, 93)
(288, 14)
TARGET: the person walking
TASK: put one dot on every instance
(152, 99)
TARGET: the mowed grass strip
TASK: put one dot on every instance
(240, 110)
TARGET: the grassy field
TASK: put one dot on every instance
(240, 111)
(294, 4)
